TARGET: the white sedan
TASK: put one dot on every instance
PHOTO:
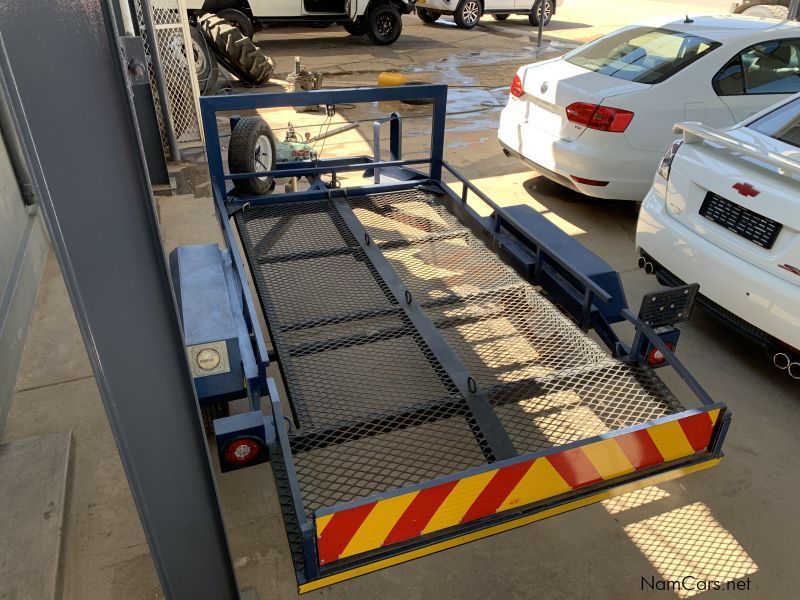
(597, 120)
(724, 212)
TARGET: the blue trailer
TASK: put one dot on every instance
(440, 381)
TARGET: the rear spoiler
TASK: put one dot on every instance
(695, 133)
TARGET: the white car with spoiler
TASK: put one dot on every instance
(597, 120)
(724, 212)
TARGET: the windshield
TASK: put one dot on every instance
(782, 124)
(642, 54)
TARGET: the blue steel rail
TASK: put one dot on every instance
(592, 301)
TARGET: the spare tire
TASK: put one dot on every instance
(252, 150)
(235, 51)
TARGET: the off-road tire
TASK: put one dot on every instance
(357, 27)
(245, 156)
(500, 17)
(468, 13)
(235, 51)
(211, 412)
(384, 24)
(427, 16)
(239, 20)
(533, 17)
(205, 62)
(770, 11)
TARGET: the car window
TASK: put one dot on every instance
(642, 54)
(767, 68)
(782, 123)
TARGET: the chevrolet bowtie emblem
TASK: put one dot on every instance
(745, 189)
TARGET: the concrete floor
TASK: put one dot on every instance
(738, 521)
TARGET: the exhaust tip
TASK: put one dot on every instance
(781, 360)
(641, 262)
(794, 370)
(649, 268)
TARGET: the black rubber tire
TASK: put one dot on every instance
(427, 16)
(211, 412)
(384, 24)
(769, 11)
(245, 156)
(239, 20)
(235, 51)
(357, 27)
(207, 68)
(465, 11)
(500, 17)
(533, 17)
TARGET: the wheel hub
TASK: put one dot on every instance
(471, 12)
(263, 155)
(384, 25)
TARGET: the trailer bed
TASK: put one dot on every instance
(411, 351)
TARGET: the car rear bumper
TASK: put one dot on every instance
(754, 302)
(629, 172)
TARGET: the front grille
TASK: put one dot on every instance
(743, 222)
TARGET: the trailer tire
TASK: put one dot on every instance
(533, 17)
(235, 51)
(427, 16)
(239, 20)
(357, 27)
(384, 24)
(205, 63)
(252, 149)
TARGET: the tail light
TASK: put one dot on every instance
(601, 118)
(242, 451)
(655, 358)
(516, 87)
(665, 166)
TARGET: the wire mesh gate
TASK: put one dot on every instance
(165, 28)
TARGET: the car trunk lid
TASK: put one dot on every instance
(551, 86)
(742, 201)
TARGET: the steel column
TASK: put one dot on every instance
(90, 176)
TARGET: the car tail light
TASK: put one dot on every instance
(665, 166)
(601, 118)
(585, 181)
(516, 87)
(656, 358)
(242, 451)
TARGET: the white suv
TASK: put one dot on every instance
(467, 13)
(724, 212)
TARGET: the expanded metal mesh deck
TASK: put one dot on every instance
(384, 397)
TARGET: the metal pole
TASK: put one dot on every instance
(794, 5)
(160, 78)
(85, 158)
(541, 23)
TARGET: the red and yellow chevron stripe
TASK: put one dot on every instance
(398, 518)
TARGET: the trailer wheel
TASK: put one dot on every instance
(235, 51)
(384, 24)
(357, 27)
(536, 11)
(468, 13)
(252, 149)
(500, 17)
(239, 20)
(427, 16)
(205, 63)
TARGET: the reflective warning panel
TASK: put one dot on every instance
(392, 519)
